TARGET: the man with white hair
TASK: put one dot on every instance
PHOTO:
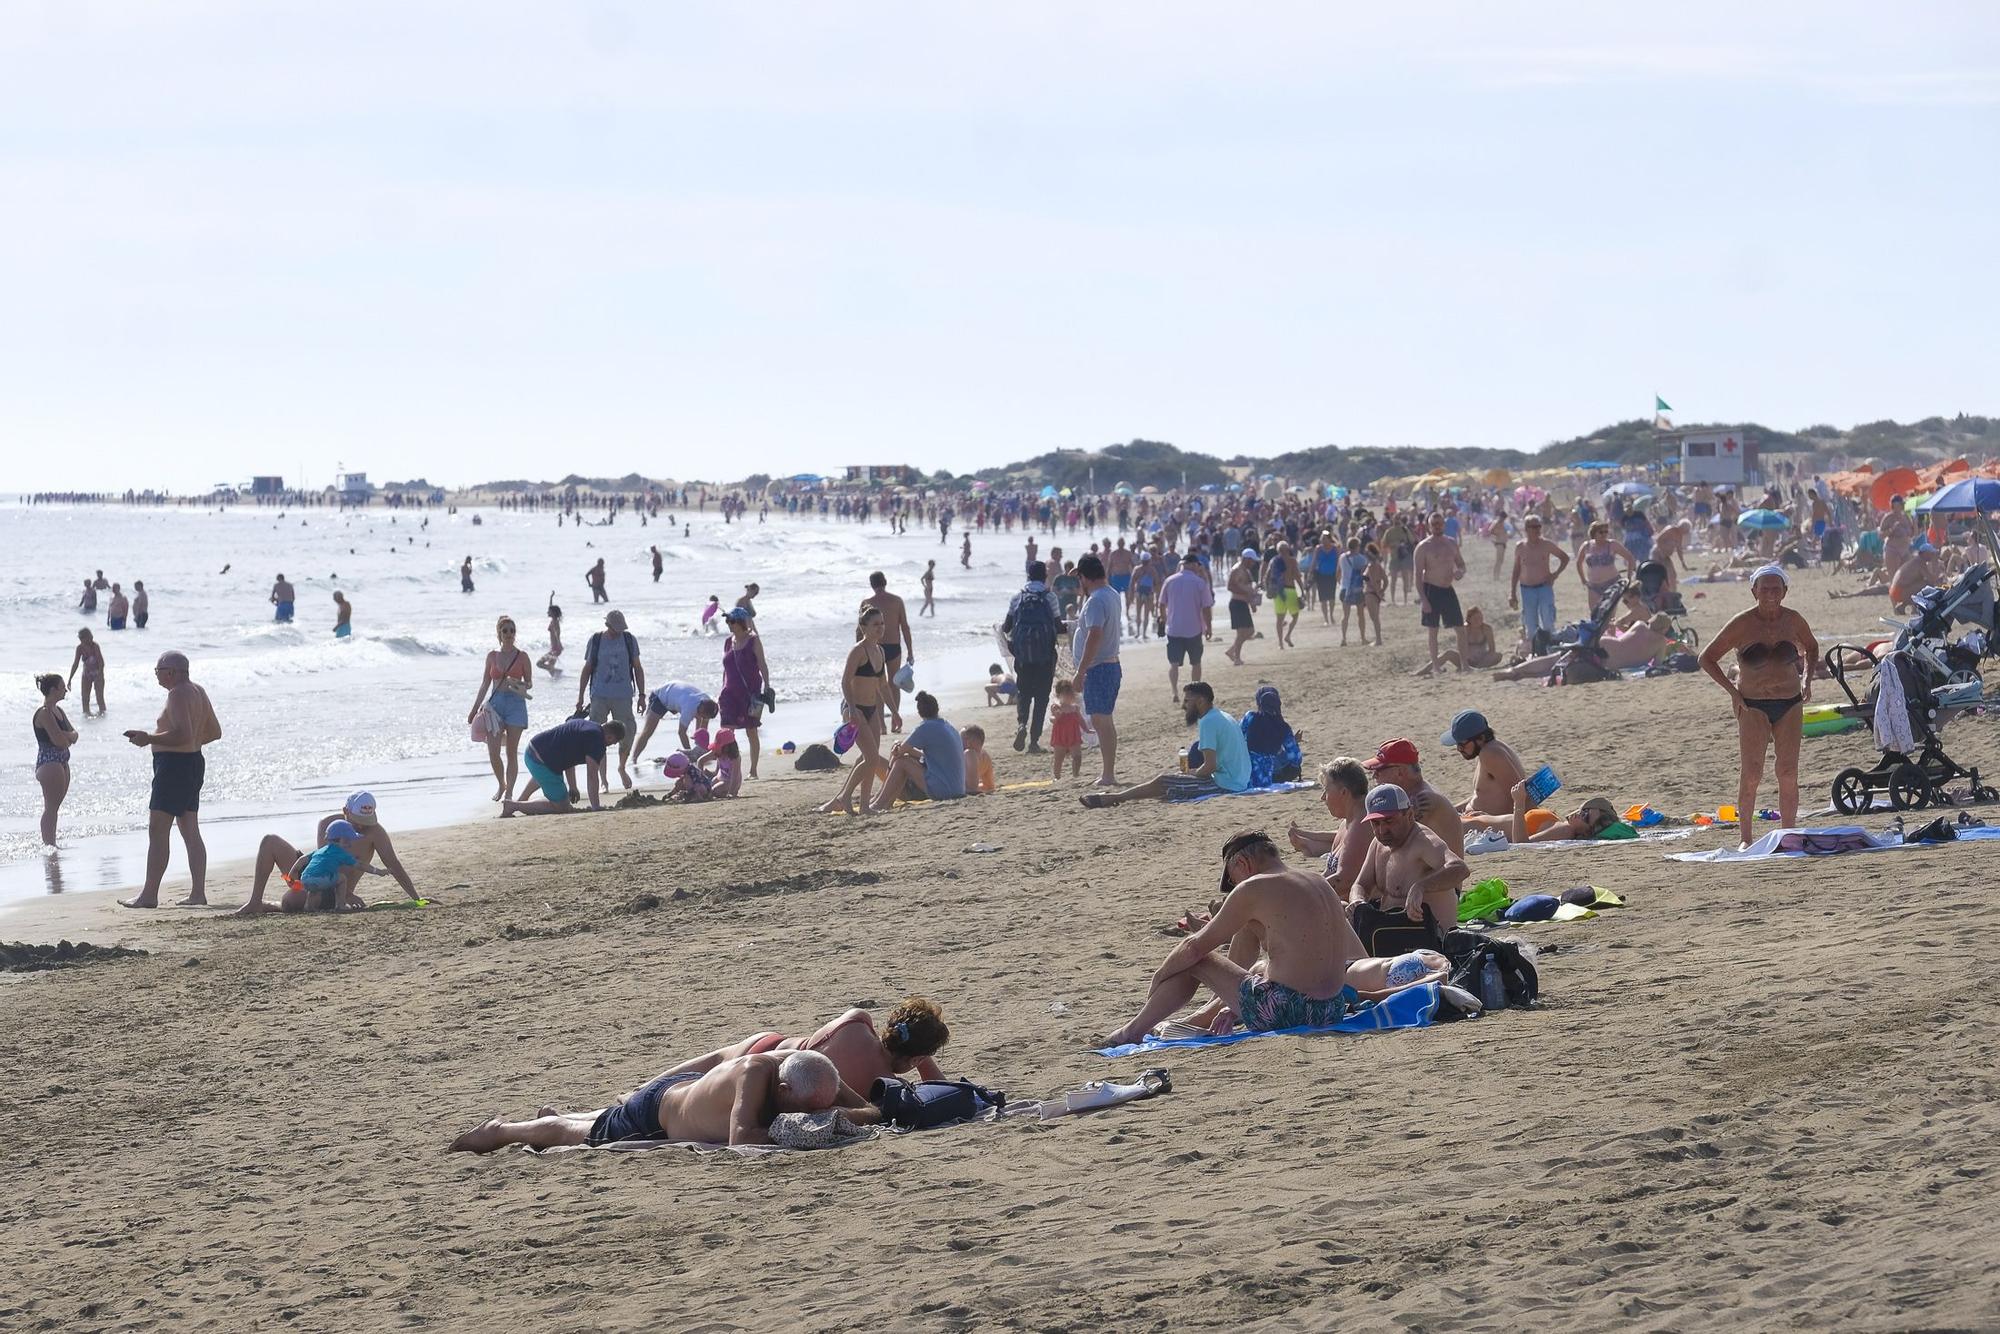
(615, 677)
(733, 1104)
(186, 725)
(275, 854)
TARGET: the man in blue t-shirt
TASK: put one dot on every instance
(552, 754)
(930, 762)
(1225, 758)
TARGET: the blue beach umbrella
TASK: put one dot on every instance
(1970, 495)
(1762, 520)
(1048, 493)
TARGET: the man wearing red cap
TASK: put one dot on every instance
(1396, 762)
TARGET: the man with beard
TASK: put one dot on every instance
(1225, 758)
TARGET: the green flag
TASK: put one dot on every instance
(1660, 404)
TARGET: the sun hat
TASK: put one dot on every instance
(1385, 800)
(1772, 568)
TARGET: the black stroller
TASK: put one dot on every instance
(1653, 591)
(1580, 644)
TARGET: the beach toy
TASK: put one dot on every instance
(1725, 814)
(787, 748)
(1701, 819)
(1767, 815)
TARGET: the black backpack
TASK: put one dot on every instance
(1469, 951)
(930, 1102)
(1386, 934)
(1033, 639)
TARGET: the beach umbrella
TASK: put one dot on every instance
(1628, 489)
(1896, 481)
(980, 486)
(1437, 472)
(1236, 486)
(1048, 493)
(1762, 520)
(1497, 477)
(1209, 487)
(1065, 493)
(1122, 489)
(1972, 495)
(1149, 490)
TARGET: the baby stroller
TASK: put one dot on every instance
(1583, 657)
(1930, 681)
(1653, 591)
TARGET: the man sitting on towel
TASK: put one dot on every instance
(1499, 768)
(734, 1103)
(1310, 944)
(1407, 866)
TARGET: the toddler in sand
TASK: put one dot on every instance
(978, 764)
(1000, 685)
(1066, 730)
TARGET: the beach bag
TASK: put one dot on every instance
(1488, 898)
(1034, 636)
(1384, 935)
(816, 757)
(930, 1102)
(1581, 667)
(486, 724)
(1517, 974)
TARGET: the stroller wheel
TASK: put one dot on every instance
(1851, 793)
(1909, 789)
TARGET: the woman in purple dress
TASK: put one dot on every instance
(743, 680)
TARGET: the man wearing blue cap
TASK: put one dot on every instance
(1499, 768)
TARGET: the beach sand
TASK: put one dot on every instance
(1757, 1096)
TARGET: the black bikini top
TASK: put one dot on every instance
(1757, 655)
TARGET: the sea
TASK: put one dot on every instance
(308, 718)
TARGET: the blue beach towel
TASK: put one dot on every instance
(1409, 1008)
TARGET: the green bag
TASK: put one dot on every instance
(1485, 900)
(1615, 831)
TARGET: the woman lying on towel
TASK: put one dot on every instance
(1541, 825)
(1623, 650)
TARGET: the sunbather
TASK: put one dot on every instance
(1623, 650)
(734, 1103)
(906, 1042)
(1527, 823)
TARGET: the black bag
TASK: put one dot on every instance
(1032, 638)
(1582, 666)
(1384, 935)
(1468, 960)
(930, 1102)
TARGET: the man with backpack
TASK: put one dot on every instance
(615, 677)
(1033, 624)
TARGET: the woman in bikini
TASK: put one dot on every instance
(508, 677)
(861, 684)
(1597, 561)
(1776, 656)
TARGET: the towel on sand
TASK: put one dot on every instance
(1854, 837)
(1409, 1008)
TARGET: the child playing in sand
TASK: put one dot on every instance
(978, 764)
(709, 624)
(1000, 685)
(323, 880)
(1066, 730)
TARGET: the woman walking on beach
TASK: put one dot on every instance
(1776, 656)
(744, 679)
(861, 683)
(53, 738)
(504, 688)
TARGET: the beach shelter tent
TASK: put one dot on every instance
(1896, 481)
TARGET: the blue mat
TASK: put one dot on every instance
(1410, 1008)
(1252, 792)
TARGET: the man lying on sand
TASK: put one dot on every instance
(1303, 928)
(1623, 650)
(906, 1042)
(275, 854)
(1498, 768)
(734, 1103)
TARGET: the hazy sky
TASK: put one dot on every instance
(482, 239)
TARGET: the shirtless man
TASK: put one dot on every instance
(1538, 562)
(1439, 565)
(186, 725)
(141, 604)
(1118, 565)
(1623, 650)
(594, 576)
(896, 638)
(275, 854)
(732, 1104)
(1408, 866)
(1499, 768)
(1243, 598)
(905, 1044)
(114, 615)
(282, 598)
(1300, 922)
(1396, 762)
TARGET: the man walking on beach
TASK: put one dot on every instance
(1243, 597)
(186, 725)
(615, 677)
(1537, 564)
(1099, 627)
(1032, 627)
(896, 637)
(1184, 602)
(1440, 564)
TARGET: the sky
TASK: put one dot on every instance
(493, 239)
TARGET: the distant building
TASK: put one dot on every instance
(355, 488)
(902, 474)
(1716, 457)
(267, 486)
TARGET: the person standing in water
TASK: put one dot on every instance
(282, 597)
(139, 604)
(53, 738)
(465, 576)
(929, 581)
(114, 615)
(594, 576)
(186, 725)
(90, 658)
(659, 563)
(343, 616)
(88, 604)
(547, 662)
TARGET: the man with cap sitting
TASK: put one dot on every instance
(1499, 768)
(1307, 936)
(372, 841)
(1396, 762)
(1407, 866)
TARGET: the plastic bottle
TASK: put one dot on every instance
(1492, 991)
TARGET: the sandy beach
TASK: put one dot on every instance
(1755, 1097)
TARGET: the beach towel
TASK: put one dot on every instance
(1642, 836)
(1411, 1008)
(1774, 844)
(1252, 792)
(792, 1132)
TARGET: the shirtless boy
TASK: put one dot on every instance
(1498, 767)
(733, 1104)
(1439, 565)
(1302, 925)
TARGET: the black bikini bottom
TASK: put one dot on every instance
(1773, 709)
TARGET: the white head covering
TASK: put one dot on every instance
(1774, 569)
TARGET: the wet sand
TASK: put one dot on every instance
(1757, 1096)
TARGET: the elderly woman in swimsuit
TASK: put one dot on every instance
(1776, 656)
(1597, 560)
(904, 1044)
(861, 683)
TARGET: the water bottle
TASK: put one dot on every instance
(1492, 991)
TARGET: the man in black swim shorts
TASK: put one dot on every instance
(1440, 564)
